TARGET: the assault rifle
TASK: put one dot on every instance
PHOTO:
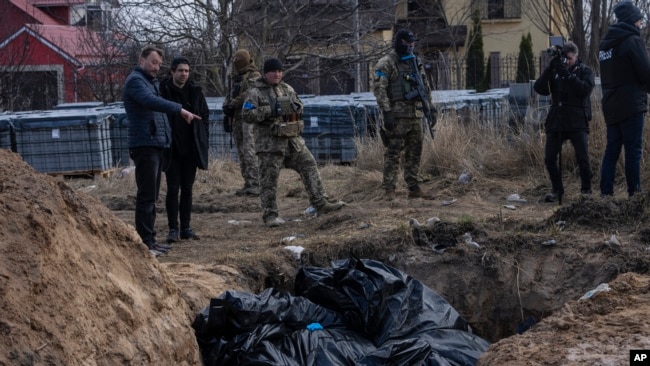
(421, 92)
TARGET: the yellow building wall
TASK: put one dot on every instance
(505, 36)
(502, 35)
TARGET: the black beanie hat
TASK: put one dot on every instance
(626, 12)
(179, 60)
(272, 64)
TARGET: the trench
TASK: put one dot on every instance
(513, 281)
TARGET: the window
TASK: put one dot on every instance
(498, 9)
(495, 9)
(413, 6)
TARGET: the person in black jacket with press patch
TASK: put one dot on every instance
(570, 83)
(625, 79)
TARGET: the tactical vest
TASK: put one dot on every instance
(401, 85)
(237, 83)
(288, 122)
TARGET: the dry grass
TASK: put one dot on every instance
(493, 152)
(488, 152)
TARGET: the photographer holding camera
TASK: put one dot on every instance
(625, 79)
(569, 82)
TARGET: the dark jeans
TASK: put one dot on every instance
(180, 176)
(147, 178)
(628, 133)
(579, 140)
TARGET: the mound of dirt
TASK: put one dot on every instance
(77, 286)
(595, 331)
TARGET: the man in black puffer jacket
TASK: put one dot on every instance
(625, 79)
(569, 82)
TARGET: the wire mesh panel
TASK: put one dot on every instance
(331, 123)
(7, 134)
(118, 125)
(65, 141)
(222, 145)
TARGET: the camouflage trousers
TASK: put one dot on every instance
(302, 162)
(243, 134)
(407, 137)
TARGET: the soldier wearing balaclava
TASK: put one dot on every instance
(402, 130)
(244, 73)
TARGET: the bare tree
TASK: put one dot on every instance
(190, 28)
(105, 67)
(322, 42)
(585, 22)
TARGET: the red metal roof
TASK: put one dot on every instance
(78, 42)
(56, 2)
(36, 13)
(78, 45)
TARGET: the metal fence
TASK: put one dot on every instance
(449, 73)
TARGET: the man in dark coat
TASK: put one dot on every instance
(570, 83)
(148, 135)
(625, 79)
(189, 149)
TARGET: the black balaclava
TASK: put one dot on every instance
(403, 35)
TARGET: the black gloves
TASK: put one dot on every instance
(563, 71)
(228, 111)
(389, 121)
(560, 68)
(556, 62)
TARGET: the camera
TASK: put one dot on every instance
(556, 52)
(556, 48)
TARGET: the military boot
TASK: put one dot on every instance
(416, 192)
(389, 195)
(253, 191)
(327, 207)
(248, 190)
(273, 221)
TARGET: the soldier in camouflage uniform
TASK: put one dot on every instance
(275, 110)
(244, 74)
(402, 129)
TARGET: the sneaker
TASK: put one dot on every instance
(241, 192)
(551, 197)
(189, 234)
(160, 247)
(172, 237)
(156, 253)
(390, 194)
(329, 207)
(273, 221)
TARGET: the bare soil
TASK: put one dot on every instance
(79, 288)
